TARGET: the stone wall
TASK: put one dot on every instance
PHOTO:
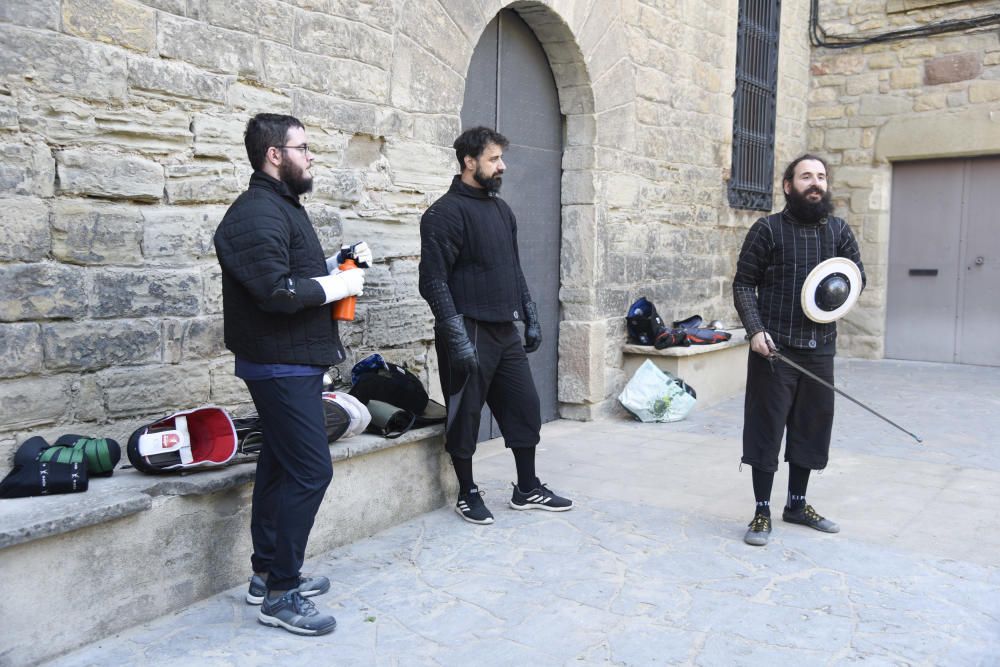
(921, 98)
(121, 145)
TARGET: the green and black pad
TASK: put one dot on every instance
(32, 476)
(101, 454)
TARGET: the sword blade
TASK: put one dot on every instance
(826, 384)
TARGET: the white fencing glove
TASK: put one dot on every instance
(342, 284)
(360, 251)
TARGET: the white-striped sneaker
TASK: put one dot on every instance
(470, 506)
(539, 498)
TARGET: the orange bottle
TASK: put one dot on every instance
(343, 310)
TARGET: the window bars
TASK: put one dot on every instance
(751, 183)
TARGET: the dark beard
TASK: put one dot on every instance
(491, 184)
(294, 178)
(806, 211)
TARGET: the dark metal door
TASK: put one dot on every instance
(944, 262)
(510, 87)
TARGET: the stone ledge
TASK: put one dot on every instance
(716, 371)
(129, 492)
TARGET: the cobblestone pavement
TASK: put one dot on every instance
(650, 567)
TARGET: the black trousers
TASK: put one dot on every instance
(293, 471)
(504, 383)
(780, 398)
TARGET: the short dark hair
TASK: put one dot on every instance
(790, 169)
(473, 141)
(265, 130)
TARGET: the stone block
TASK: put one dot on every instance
(435, 31)
(905, 77)
(87, 346)
(420, 166)
(422, 82)
(63, 64)
(27, 169)
(144, 294)
(226, 388)
(153, 390)
(24, 229)
(66, 121)
(117, 22)
(380, 14)
(109, 175)
(220, 137)
(41, 291)
(467, 16)
(89, 233)
(194, 338)
(839, 139)
(20, 350)
(180, 233)
(954, 67)
(885, 105)
(204, 45)
(581, 361)
(268, 18)
(42, 14)
(577, 187)
(256, 99)
(173, 80)
(400, 323)
(202, 183)
(27, 403)
(578, 251)
(620, 85)
(178, 7)
(211, 278)
(347, 79)
(405, 279)
(339, 38)
(981, 92)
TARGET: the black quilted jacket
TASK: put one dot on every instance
(469, 262)
(267, 249)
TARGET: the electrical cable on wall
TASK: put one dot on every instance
(819, 37)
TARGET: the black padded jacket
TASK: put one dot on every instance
(469, 262)
(268, 249)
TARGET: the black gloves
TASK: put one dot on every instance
(461, 353)
(532, 327)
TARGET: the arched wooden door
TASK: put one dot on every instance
(510, 87)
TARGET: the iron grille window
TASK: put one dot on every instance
(751, 183)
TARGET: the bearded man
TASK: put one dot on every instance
(276, 284)
(470, 275)
(777, 255)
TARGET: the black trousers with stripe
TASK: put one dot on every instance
(504, 383)
(293, 471)
(780, 399)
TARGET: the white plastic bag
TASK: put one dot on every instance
(653, 395)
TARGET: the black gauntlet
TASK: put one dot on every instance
(461, 353)
(532, 327)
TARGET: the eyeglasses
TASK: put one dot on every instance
(304, 148)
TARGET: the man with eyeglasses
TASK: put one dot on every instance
(276, 289)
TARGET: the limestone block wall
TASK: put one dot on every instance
(922, 98)
(121, 145)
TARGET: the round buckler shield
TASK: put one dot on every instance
(831, 289)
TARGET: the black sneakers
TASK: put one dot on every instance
(308, 587)
(296, 614)
(807, 516)
(759, 531)
(539, 498)
(470, 506)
